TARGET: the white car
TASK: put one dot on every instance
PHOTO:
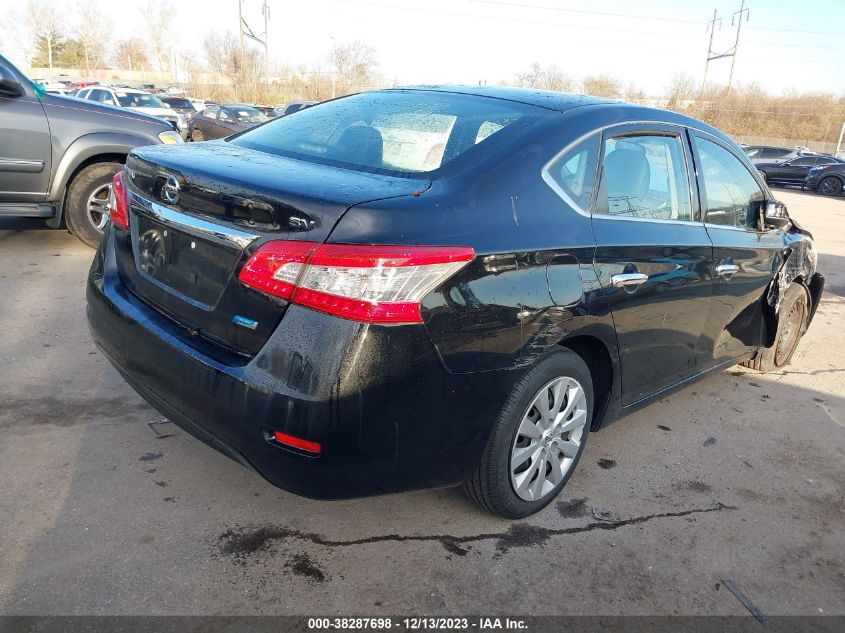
(137, 100)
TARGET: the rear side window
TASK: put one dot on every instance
(396, 131)
(732, 196)
(573, 174)
(774, 152)
(645, 176)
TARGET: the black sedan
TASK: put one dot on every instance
(827, 179)
(220, 121)
(792, 171)
(412, 288)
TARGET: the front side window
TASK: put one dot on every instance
(398, 131)
(731, 194)
(645, 176)
(574, 172)
(210, 112)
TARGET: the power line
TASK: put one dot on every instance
(644, 17)
(764, 28)
(586, 12)
(500, 18)
(510, 19)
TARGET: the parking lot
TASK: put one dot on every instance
(739, 477)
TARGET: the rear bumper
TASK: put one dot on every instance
(387, 413)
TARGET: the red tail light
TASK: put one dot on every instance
(275, 267)
(297, 442)
(119, 202)
(373, 284)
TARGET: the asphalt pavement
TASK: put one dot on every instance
(739, 477)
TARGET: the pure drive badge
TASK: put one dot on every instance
(244, 322)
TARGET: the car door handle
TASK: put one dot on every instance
(727, 270)
(627, 280)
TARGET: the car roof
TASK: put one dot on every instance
(566, 101)
(560, 101)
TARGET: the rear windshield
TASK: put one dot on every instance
(246, 114)
(179, 103)
(138, 100)
(397, 131)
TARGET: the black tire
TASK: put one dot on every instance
(830, 186)
(196, 136)
(792, 323)
(490, 487)
(94, 180)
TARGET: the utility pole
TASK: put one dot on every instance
(241, 27)
(265, 9)
(737, 15)
(710, 56)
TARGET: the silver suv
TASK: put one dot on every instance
(58, 154)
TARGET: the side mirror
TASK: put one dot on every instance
(775, 214)
(10, 86)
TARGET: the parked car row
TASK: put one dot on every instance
(796, 166)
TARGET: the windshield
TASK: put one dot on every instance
(139, 100)
(405, 131)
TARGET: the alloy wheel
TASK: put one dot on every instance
(828, 186)
(548, 438)
(97, 208)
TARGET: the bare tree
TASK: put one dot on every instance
(355, 64)
(602, 86)
(556, 79)
(92, 29)
(681, 89)
(224, 56)
(548, 78)
(131, 54)
(45, 23)
(159, 17)
(530, 78)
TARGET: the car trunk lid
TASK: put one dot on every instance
(197, 212)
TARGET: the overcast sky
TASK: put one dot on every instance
(786, 44)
